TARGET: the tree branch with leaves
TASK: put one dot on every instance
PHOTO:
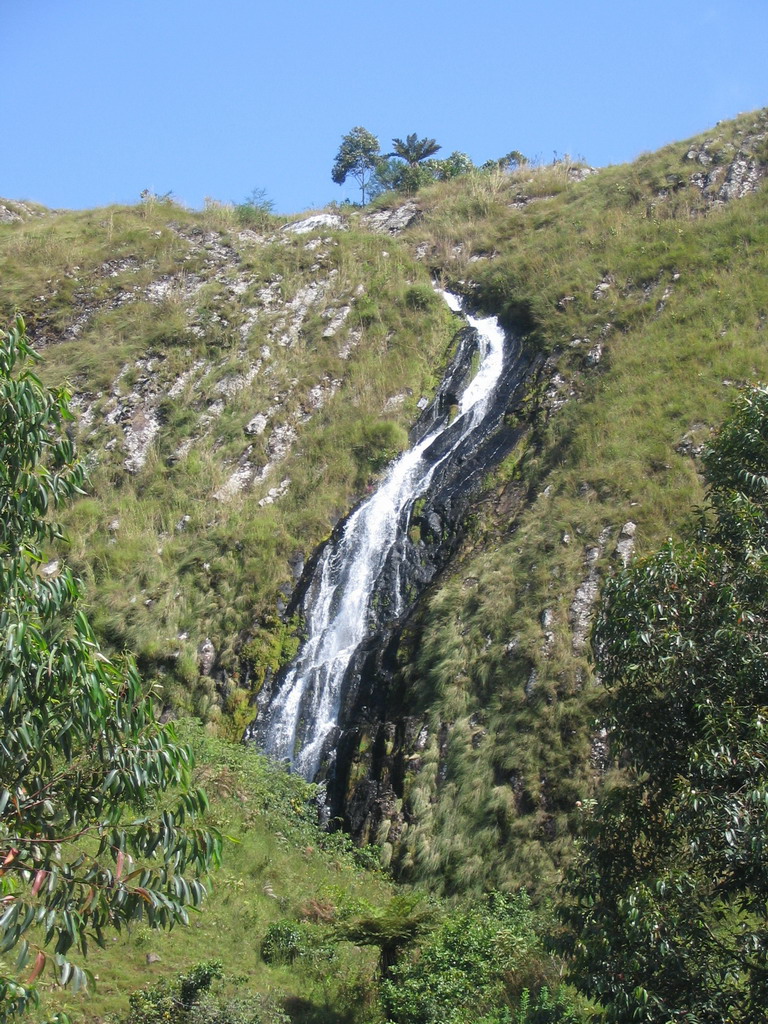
(97, 807)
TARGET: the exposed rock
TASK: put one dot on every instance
(50, 569)
(602, 288)
(234, 383)
(730, 170)
(162, 288)
(744, 176)
(577, 174)
(395, 401)
(594, 355)
(694, 442)
(8, 216)
(257, 425)
(392, 222)
(547, 620)
(580, 615)
(601, 751)
(140, 427)
(206, 657)
(625, 546)
(251, 237)
(558, 392)
(320, 393)
(183, 379)
(298, 308)
(522, 200)
(279, 444)
(274, 493)
(353, 340)
(242, 476)
(314, 223)
(337, 318)
(13, 211)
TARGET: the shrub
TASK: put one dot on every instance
(164, 1001)
(420, 296)
(256, 211)
(379, 442)
(284, 942)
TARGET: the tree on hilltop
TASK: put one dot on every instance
(96, 798)
(413, 150)
(358, 156)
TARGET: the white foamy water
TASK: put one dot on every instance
(306, 708)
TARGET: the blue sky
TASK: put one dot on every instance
(100, 100)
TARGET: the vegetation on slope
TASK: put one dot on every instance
(294, 921)
(648, 290)
(668, 899)
(238, 391)
(644, 288)
(84, 764)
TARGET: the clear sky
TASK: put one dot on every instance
(103, 98)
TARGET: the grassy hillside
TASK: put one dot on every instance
(288, 922)
(240, 386)
(646, 287)
(237, 392)
(280, 872)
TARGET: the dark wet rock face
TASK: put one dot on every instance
(360, 753)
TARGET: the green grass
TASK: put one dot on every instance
(510, 706)
(157, 589)
(277, 866)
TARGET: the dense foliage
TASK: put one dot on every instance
(189, 1000)
(670, 897)
(408, 168)
(84, 847)
(483, 963)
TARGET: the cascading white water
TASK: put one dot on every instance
(306, 709)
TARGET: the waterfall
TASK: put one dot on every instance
(337, 605)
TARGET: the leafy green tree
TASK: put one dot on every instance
(392, 175)
(453, 166)
(417, 171)
(413, 149)
(88, 841)
(358, 156)
(669, 903)
(391, 929)
(479, 964)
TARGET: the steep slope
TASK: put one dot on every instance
(236, 391)
(242, 385)
(645, 286)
